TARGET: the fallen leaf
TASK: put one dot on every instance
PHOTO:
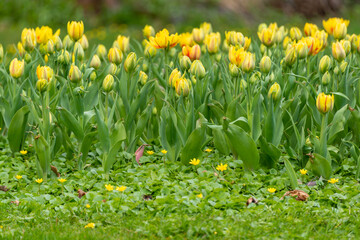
(251, 200)
(312, 183)
(54, 169)
(81, 193)
(140, 152)
(16, 202)
(4, 188)
(147, 197)
(299, 194)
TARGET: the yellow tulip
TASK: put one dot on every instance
(75, 30)
(340, 31)
(338, 51)
(44, 72)
(108, 83)
(198, 35)
(123, 43)
(265, 64)
(16, 68)
(212, 42)
(295, 33)
(28, 38)
(186, 39)
(75, 74)
(130, 62)
(267, 36)
(95, 62)
(275, 91)
(115, 56)
(331, 23)
(174, 76)
(310, 29)
(324, 103)
(162, 39)
(148, 31)
(248, 64)
(182, 87)
(234, 38)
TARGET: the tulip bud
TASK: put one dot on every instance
(21, 49)
(195, 52)
(84, 42)
(265, 64)
(343, 66)
(272, 77)
(41, 85)
(108, 83)
(248, 65)
(44, 72)
(301, 50)
(1, 53)
(336, 70)
(112, 69)
(182, 87)
(295, 33)
(275, 91)
(174, 77)
(50, 46)
(16, 68)
(64, 57)
(30, 40)
(123, 43)
(130, 62)
(325, 63)
(340, 31)
(93, 76)
(78, 51)
(261, 27)
(324, 103)
(58, 43)
(197, 69)
(27, 58)
(185, 63)
(154, 111)
(149, 51)
(255, 77)
(148, 31)
(115, 56)
(95, 62)
(218, 57)
(143, 77)
(234, 70)
(193, 79)
(243, 84)
(346, 45)
(308, 142)
(326, 78)
(290, 56)
(68, 43)
(354, 40)
(75, 30)
(145, 67)
(101, 51)
(75, 74)
(46, 58)
(338, 51)
(198, 35)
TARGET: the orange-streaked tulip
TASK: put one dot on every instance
(16, 68)
(212, 42)
(193, 52)
(248, 65)
(324, 103)
(198, 35)
(174, 76)
(162, 39)
(44, 72)
(310, 29)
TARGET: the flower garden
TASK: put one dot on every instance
(205, 134)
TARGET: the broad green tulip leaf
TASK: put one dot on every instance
(71, 123)
(91, 97)
(320, 166)
(16, 130)
(220, 141)
(103, 132)
(337, 124)
(111, 157)
(42, 149)
(291, 173)
(194, 145)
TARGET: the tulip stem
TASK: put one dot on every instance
(323, 136)
(166, 71)
(106, 106)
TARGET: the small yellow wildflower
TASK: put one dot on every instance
(39, 180)
(109, 187)
(1, 227)
(333, 180)
(62, 180)
(194, 161)
(23, 152)
(303, 171)
(271, 190)
(121, 189)
(150, 152)
(18, 177)
(87, 205)
(208, 150)
(199, 195)
(221, 167)
(90, 225)
(163, 151)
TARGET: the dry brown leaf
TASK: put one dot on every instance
(251, 200)
(299, 194)
(54, 169)
(16, 202)
(147, 197)
(81, 193)
(4, 188)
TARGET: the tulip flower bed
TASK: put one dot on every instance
(181, 135)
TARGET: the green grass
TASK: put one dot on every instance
(175, 212)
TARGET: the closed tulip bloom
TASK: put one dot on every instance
(28, 38)
(78, 51)
(115, 56)
(186, 39)
(248, 65)
(326, 78)
(265, 64)
(198, 35)
(290, 56)
(267, 36)
(212, 42)
(130, 62)
(21, 49)
(310, 29)
(234, 38)
(325, 63)
(68, 43)
(338, 51)
(346, 45)
(197, 69)
(295, 33)
(84, 42)
(280, 34)
(206, 27)
(301, 50)
(148, 31)
(174, 76)
(185, 63)
(95, 62)
(149, 51)
(75, 74)
(234, 70)
(162, 39)
(123, 43)
(331, 24)
(275, 91)
(354, 40)
(324, 103)
(16, 68)
(108, 83)
(340, 31)
(143, 77)
(75, 30)
(44, 33)
(50, 46)
(58, 43)
(182, 87)
(112, 69)
(101, 51)
(44, 72)
(193, 52)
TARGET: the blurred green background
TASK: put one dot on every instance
(104, 19)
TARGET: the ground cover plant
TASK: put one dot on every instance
(181, 135)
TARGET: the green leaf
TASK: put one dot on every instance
(71, 123)
(194, 145)
(292, 175)
(103, 132)
(42, 150)
(111, 157)
(17, 127)
(320, 166)
(220, 141)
